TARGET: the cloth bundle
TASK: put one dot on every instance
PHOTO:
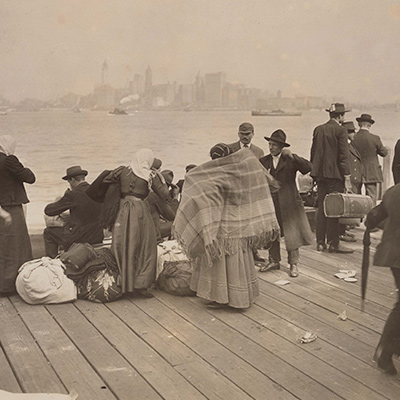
(43, 281)
(226, 202)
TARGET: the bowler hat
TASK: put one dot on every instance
(168, 176)
(365, 117)
(246, 127)
(74, 171)
(278, 136)
(338, 108)
(349, 125)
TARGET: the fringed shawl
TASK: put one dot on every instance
(226, 204)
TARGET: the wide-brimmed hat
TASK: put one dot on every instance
(365, 117)
(338, 108)
(168, 176)
(246, 127)
(278, 136)
(349, 125)
(74, 171)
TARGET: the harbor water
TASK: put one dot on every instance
(49, 142)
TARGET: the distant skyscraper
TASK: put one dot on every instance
(148, 81)
(214, 84)
(136, 86)
(104, 72)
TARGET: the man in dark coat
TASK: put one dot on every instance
(331, 170)
(356, 166)
(283, 165)
(162, 212)
(246, 134)
(356, 169)
(388, 255)
(396, 163)
(83, 225)
(370, 146)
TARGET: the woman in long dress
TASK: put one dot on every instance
(134, 242)
(226, 211)
(15, 244)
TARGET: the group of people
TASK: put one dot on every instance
(222, 213)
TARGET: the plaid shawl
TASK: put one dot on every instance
(226, 203)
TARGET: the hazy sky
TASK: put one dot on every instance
(337, 48)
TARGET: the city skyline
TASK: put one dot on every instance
(343, 49)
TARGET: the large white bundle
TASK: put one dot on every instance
(42, 281)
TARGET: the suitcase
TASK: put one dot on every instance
(347, 205)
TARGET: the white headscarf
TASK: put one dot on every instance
(141, 164)
(7, 145)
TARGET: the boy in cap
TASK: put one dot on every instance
(283, 165)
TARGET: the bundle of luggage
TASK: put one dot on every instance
(174, 270)
(82, 272)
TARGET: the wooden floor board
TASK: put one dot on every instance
(152, 367)
(8, 380)
(119, 376)
(226, 362)
(29, 364)
(172, 347)
(67, 361)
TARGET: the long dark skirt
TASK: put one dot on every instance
(15, 248)
(134, 245)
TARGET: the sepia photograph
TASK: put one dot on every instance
(198, 199)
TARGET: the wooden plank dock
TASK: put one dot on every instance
(174, 348)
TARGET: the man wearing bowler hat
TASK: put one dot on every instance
(83, 225)
(369, 146)
(331, 170)
(283, 165)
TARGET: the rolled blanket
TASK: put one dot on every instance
(226, 202)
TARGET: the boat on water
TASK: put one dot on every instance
(275, 113)
(118, 111)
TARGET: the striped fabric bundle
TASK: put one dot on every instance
(226, 202)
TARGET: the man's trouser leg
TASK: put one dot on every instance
(275, 251)
(371, 190)
(52, 239)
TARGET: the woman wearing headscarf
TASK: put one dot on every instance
(15, 245)
(225, 213)
(134, 242)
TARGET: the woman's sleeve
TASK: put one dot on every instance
(18, 170)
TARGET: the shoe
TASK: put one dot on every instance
(258, 258)
(293, 271)
(321, 246)
(384, 361)
(271, 266)
(347, 238)
(340, 249)
(143, 293)
(215, 306)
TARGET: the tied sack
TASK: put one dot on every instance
(43, 281)
(174, 270)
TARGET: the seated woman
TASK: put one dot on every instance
(226, 211)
